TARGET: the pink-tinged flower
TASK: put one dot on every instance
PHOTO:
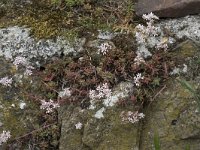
(143, 32)
(92, 94)
(131, 117)
(140, 37)
(162, 45)
(4, 137)
(151, 30)
(105, 90)
(20, 61)
(6, 81)
(104, 47)
(100, 92)
(28, 71)
(49, 106)
(141, 28)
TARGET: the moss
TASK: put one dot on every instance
(184, 50)
(12, 123)
(110, 132)
(43, 25)
(48, 21)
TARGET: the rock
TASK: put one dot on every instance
(71, 138)
(174, 115)
(186, 27)
(16, 41)
(186, 49)
(108, 132)
(169, 8)
(16, 107)
(97, 134)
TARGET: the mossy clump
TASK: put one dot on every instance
(71, 17)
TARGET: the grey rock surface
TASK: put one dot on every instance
(16, 41)
(187, 27)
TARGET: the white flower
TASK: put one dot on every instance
(141, 115)
(6, 81)
(22, 105)
(137, 79)
(150, 17)
(104, 90)
(139, 59)
(144, 33)
(131, 117)
(151, 30)
(79, 125)
(140, 38)
(92, 94)
(64, 93)
(4, 137)
(100, 92)
(28, 71)
(103, 48)
(20, 61)
(141, 28)
(49, 106)
(162, 45)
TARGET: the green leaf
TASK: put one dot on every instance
(187, 85)
(156, 142)
(187, 147)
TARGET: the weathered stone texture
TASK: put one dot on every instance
(108, 133)
(168, 8)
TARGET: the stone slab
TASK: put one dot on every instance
(168, 8)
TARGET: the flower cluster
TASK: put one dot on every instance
(150, 17)
(100, 92)
(23, 61)
(28, 71)
(6, 81)
(162, 44)
(20, 61)
(104, 47)
(4, 137)
(143, 32)
(131, 117)
(64, 93)
(137, 79)
(49, 106)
